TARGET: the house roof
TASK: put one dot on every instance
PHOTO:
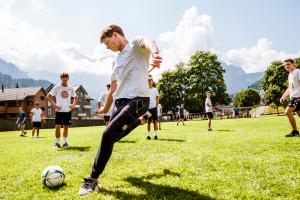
(88, 97)
(14, 94)
(76, 87)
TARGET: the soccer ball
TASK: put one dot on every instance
(53, 176)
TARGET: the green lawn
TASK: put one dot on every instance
(240, 159)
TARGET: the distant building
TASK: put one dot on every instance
(83, 107)
(13, 98)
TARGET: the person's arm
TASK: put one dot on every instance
(43, 117)
(18, 120)
(49, 98)
(23, 120)
(286, 93)
(72, 106)
(109, 98)
(153, 49)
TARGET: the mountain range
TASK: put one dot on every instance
(10, 75)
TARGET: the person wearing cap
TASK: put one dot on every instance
(154, 100)
(63, 108)
(130, 92)
(101, 102)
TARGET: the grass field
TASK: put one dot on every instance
(240, 159)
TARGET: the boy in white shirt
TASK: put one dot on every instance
(130, 92)
(36, 116)
(154, 100)
(209, 109)
(63, 108)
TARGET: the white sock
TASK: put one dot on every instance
(65, 140)
(57, 140)
(154, 133)
(149, 133)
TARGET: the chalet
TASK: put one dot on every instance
(13, 98)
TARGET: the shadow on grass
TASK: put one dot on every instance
(126, 141)
(156, 191)
(223, 130)
(171, 140)
(75, 148)
(55, 188)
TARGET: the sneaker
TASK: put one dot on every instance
(177, 124)
(56, 145)
(148, 137)
(90, 185)
(25, 133)
(209, 129)
(294, 133)
(65, 145)
(155, 137)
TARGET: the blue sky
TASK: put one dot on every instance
(45, 37)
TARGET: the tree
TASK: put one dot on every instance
(204, 73)
(275, 83)
(247, 98)
(171, 87)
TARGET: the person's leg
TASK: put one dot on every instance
(289, 113)
(33, 130)
(121, 125)
(209, 123)
(37, 132)
(159, 126)
(57, 133)
(65, 135)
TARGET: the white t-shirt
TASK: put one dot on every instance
(159, 107)
(63, 97)
(36, 114)
(294, 83)
(102, 99)
(208, 105)
(153, 93)
(130, 70)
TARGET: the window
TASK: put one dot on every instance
(49, 111)
(42, 98)
(29, 103)
(43, 109)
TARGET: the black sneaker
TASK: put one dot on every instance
(148, 137)
(65, 145)
(90, 185)
(155, 137)
(25, 133)
(209, 129)
(56, 145)
(294, 133)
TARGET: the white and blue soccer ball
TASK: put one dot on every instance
(53, 176)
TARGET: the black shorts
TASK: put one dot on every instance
(153, 112)
(181, 116)
(36, 124)
(295, 103)
(106, 118)
(63, 118)
(210, 115)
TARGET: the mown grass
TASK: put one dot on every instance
(240, 159)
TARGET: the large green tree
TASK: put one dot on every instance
(274, 83)
(247, 98)
(204, 73)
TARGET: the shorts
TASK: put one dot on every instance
(21, 125)
(181, 116)
(210, 115)
(295, 103)
(63, 118)
(153, 112)
(106, 118)
(36, 124)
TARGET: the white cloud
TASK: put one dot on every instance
(256, 58)
(38, 5)
(193, 32)
(44, 51)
